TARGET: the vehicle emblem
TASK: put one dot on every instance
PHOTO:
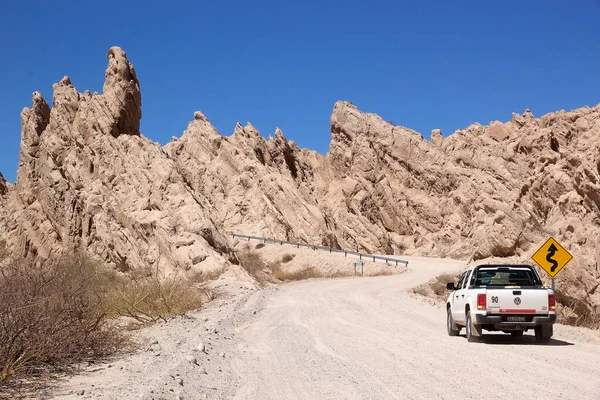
(517, 300)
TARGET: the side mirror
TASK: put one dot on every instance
(450, 286)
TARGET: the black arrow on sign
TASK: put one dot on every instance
(551, 251)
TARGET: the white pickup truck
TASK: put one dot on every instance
(505, 297)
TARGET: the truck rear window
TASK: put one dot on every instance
(490, 277)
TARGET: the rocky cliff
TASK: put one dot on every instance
(88, 181)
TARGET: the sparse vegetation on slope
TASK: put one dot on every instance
(150, 297)
(275, 271)
(254, 264)
(52, 318)
(305, 273)
(287, 257)
(435, 289)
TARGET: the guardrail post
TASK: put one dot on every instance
(373, 258)
(360, 256)
(345, 254)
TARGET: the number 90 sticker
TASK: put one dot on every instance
(494, 301)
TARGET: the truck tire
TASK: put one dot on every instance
(453, 329)
(543, 333)
(473, 334)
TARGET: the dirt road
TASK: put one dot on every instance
(356, 338)
(368, 339)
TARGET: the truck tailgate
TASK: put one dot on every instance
(517, 301)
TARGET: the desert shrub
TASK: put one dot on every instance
(436, 287)
(149, 297)
(51, 318)
(286, 258)
(304, 273)
(205, 276)
(381, 273)
(254, 264)
(422, 290)
(339, 274)
(438, 284)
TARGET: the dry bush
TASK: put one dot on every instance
(304, 273)
(422, 290)
(152, 297)
(254, 264)
(438, 284)
(339, 274)
(381, 273)
(205, 276)
(286, 258)
(436, 287)
(52, 318)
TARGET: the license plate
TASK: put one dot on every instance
(515, 319)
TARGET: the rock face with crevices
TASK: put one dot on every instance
(3, 187)
(88, 181)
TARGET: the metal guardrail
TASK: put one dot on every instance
(346, 253)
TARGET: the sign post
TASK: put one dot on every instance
(552, 258)
(360, 264)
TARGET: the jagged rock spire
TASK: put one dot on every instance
(121, 91)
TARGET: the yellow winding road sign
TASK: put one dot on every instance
(552, 257)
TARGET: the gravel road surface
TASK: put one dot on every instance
(355, 338)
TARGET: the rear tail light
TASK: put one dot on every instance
(551, 302)
(481, 302)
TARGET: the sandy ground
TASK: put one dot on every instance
(327, 263)
(351, 338)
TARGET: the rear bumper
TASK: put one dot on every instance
(496, 321)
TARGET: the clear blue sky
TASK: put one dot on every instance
(422, 64)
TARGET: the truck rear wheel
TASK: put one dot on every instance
(543, 333)
(473, 333)
(453, 329)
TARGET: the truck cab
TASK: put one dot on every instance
(500, 297)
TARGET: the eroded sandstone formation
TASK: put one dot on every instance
(89, 181)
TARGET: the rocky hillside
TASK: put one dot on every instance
(89, 181)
